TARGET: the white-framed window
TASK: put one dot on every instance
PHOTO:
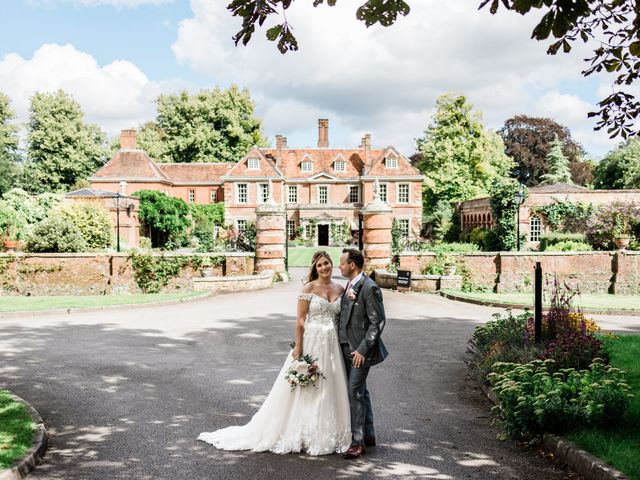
(391, 162)
(306, 166)
(323, 194)
(291, 228)
(534, 228)
(383, 191)
(354, 193)
(292, 194)
(241, 225)
(213, 195)
(192, 196)
(403, 193)
(307, 231)
(241, 193)
(403, 225)
(340, 166)
(263, 192)
(253, 164)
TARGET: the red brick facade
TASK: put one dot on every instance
(477, 212)
(318, 187)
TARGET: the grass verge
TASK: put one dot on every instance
(28, 304)
(16, 429)
(586, 300)
(619, 446)
(301, 256)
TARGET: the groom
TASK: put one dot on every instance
(361, 323)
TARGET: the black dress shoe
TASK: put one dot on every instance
(354, 451)
(370, 441)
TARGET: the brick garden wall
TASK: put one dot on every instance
(593, 272)
(95, 274)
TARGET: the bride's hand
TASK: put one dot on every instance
(297, 352)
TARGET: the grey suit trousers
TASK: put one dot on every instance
(359, 399)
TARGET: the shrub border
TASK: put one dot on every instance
(23, 466)
(586, 464)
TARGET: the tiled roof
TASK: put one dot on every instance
(127, 164)
(195, 172)
(90, 192)
(558, 188)
(289, 160)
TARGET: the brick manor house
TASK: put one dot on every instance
(322, 189)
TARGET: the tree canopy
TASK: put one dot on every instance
(215, 125)
(612, 27)
(9, 157)
(558, 165)
(620, 168)
(61, 147)
(460, 158)
(528, 141)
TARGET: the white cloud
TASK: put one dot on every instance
(115, 96)
(99, 3)
(384, 80)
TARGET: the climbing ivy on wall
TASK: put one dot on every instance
(566, 216)
(152, 274)
(505, 209)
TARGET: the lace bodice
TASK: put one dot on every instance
(321, 311)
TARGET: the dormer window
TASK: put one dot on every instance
(306, 166)
(340, 166)
(391, 162)
(253, 164)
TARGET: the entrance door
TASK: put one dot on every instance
(323, 235)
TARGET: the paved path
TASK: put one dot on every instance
(125, 393)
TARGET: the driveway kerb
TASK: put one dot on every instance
(521, 306)
(23, 466)
(586, 464)
(58, 311)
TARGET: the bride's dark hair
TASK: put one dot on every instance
(313, 271)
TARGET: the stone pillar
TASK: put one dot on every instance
(378, 219)
(270, 236)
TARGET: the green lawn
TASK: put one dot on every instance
(589, 301)
(16, 429)
(619, 446)
(21, 304)
(301, 256)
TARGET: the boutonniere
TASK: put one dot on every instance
(351, 294)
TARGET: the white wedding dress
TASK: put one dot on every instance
(315, 420)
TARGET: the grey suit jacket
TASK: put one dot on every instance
(364, 318)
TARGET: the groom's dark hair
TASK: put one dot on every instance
(354, 256)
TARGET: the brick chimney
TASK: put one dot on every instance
(366, 145)
(323, 133)
(128, 139)
(281, 142)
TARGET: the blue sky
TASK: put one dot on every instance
(116, 56)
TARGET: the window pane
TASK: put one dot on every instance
(383, 192)
(242, 225)
(192, 196)
(242, 193)
(534, 229)
(354, 194)
(322, 194)
(254, 164)
(391, 162)
(404, 227)
(264, 192)
(291, 228)
(293, 194)
(403, 193)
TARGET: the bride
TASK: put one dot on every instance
(312, 419)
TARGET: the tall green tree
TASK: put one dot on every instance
(61, 147)
(215, 125)
(620, 168)
(9, 156)
(610, 27)
(460, 158)
(528, 141)
(558, 165)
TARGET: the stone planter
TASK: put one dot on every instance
(622, 242)
(449, 269)
(10, 246)
(206, 272)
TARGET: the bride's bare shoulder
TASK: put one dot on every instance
(309, 287)
(338, 288)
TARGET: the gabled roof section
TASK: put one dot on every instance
(130, 164)
(195, 172)
(267, 168)
(323, 175)
(91, 192)
(290, 159)
(378, 167)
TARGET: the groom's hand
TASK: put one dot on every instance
(358, 359)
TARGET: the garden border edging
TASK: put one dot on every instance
(586, 464)
(25, 465)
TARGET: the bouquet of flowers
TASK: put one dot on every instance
(303, 372)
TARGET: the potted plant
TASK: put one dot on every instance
(206, 269)
(449, 265)
(621, 233)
